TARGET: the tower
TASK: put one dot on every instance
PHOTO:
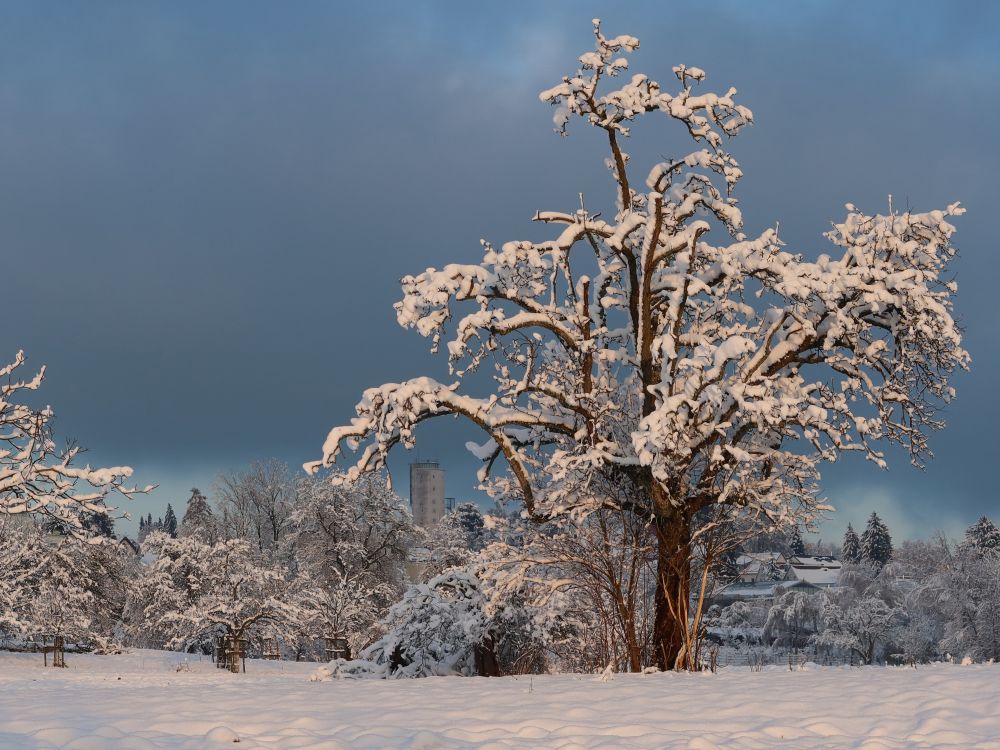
(426, 492)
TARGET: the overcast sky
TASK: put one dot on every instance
(205, 208)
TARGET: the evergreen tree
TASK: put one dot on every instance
(198, 519)
(876, 544)
(851, 551)
(100, 524)
(795, 543)
(470, 519)
(983, 536)
(170, 522)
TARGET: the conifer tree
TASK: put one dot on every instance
(198, 519)
(876, 544)
(983, 536)
(170, 522)
(795, 543)
(851, 551)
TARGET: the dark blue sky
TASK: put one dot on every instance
(205, 208)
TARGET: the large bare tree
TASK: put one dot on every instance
(703, 374)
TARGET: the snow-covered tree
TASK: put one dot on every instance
(740, 623)
(59, 603)
(702, 372)
(194, 591)
(469, 518)
(342, 607)
(794, 619)
(860, 627)
(20, 559)
(983, 536)
(602, 565)
(198, 519)
(876, 544)
(108, 572)
(439, 628)
(795, 543)
(966, 590)
(170, 521)
(36, 476)
(444, 545)
(850, 551)
(352, 531)
(257, 503)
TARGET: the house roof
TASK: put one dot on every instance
(819, 561)
(821, 570)
(762, 590)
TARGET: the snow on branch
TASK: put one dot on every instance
(708, 372)
(36, 476)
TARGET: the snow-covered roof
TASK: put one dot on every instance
(817, 576)
(819, 561)
(761, 590)
(759, 557)
(821, 570)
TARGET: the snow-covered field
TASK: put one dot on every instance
(140, 702)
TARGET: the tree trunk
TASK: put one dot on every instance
(673, 591)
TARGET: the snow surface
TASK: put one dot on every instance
(139, 701)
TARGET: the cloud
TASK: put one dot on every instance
(907, 514)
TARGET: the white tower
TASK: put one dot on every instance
(427, 492)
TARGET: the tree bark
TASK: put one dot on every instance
(673, 591)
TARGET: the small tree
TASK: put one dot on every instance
(702, 374)
(851, 550)
(35, 476)
(876, 544)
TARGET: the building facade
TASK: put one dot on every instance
(427, 492)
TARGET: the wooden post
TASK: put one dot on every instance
(270, 650)
(58, 652)
(337, 648)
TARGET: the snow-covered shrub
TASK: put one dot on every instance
(738, 624)
(439, 628)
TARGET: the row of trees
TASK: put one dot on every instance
(475, 594)
(295, 560)
(873, 547)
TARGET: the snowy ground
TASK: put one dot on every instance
(139, 702)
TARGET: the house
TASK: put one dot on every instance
(126, 544)
(760, 567)
(821, 571)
